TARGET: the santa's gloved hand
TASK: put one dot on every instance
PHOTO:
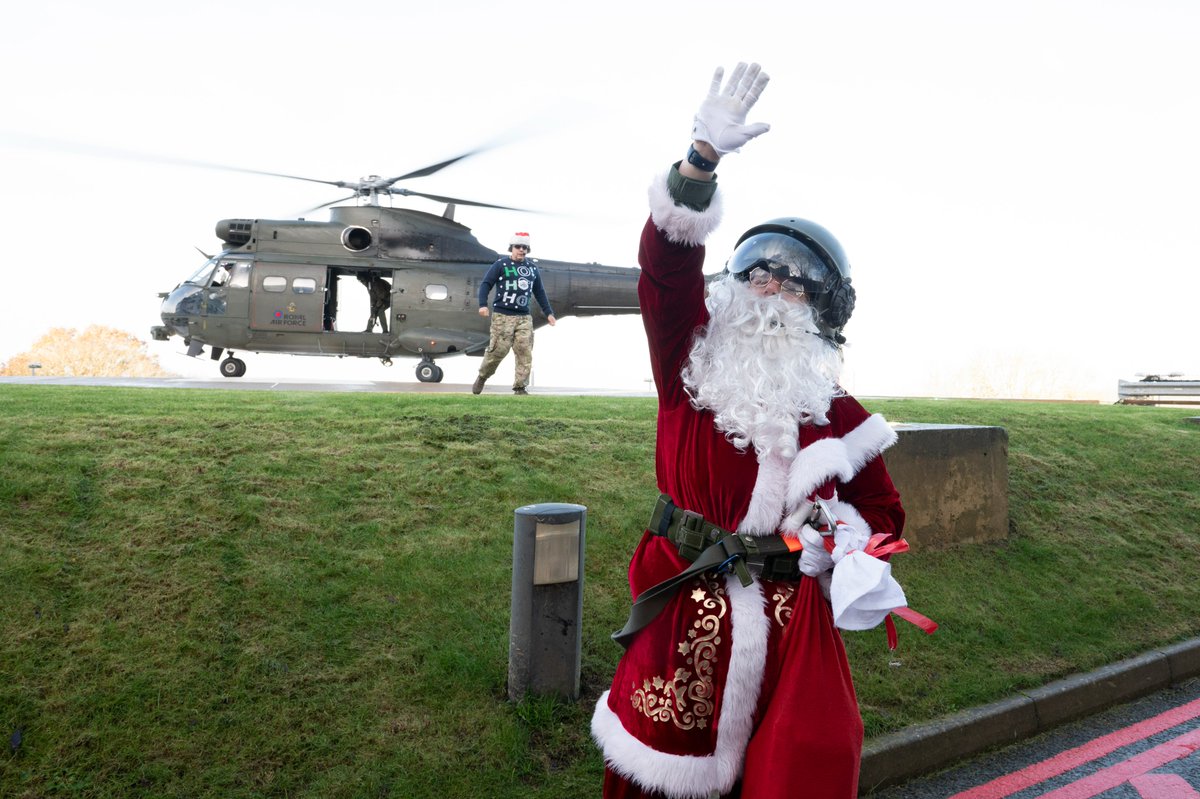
(721, 120)
(814, 560)
(846, 539)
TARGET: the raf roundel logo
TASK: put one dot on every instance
(524, 271)
(290, 311)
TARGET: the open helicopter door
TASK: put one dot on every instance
(287, 298)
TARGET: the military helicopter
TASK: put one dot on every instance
(276, 284)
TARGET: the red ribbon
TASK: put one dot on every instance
(877, 548)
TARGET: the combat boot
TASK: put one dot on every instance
(520, 391)
(477, 386)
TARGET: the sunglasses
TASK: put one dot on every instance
(520, 247)
(761, 277)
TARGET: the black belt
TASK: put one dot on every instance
(709, 547)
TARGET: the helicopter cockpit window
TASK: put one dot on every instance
(436, 291)
(304, 285)
(274, 283)
(241, 275)
(203, 274)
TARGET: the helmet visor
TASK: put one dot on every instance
(794, 265)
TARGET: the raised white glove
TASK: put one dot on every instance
(721, 120)
(814, 559)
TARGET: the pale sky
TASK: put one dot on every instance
(1016, 183)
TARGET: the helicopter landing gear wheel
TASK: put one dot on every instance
(233, 367)
(429, 372)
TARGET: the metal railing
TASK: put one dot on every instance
(1158, 392)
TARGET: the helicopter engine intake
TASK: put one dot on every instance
(356, 238)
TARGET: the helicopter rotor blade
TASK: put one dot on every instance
(61, 145)
(326, 205)
(341, 184)
(502, 139)
(361, 188)
(431, 169)
(456, 200)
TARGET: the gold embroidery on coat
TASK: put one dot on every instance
(783, 611)
(686, 700)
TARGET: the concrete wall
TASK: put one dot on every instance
(953, 481)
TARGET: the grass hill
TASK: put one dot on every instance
(242, 594)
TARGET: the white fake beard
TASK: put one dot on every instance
(761, 368)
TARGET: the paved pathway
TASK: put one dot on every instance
(1146, 749)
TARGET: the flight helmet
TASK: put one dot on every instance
(803, 257)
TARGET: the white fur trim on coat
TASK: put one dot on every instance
(766, 502)
(692, 776)
(869, 439)
(783, 486)
(814, 465)
(840, 458)
(849, 514)
(682, 225)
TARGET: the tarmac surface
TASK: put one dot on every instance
(296, 384)
(1145, 749)
(892, 759)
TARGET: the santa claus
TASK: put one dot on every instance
(735, 681)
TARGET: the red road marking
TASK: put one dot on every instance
(1163, 786)
(1135, 766)
(1072, 758)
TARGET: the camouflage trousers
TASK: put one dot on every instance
(510, 333)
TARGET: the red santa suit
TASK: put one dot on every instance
(735, 688)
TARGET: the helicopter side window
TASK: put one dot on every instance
(274, 283)
(304, 285)
(435, 291)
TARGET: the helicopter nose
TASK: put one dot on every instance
(181, 303)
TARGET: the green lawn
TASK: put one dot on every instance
(241, 594)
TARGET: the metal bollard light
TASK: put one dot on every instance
(545, 634)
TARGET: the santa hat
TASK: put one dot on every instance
(521, 239)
